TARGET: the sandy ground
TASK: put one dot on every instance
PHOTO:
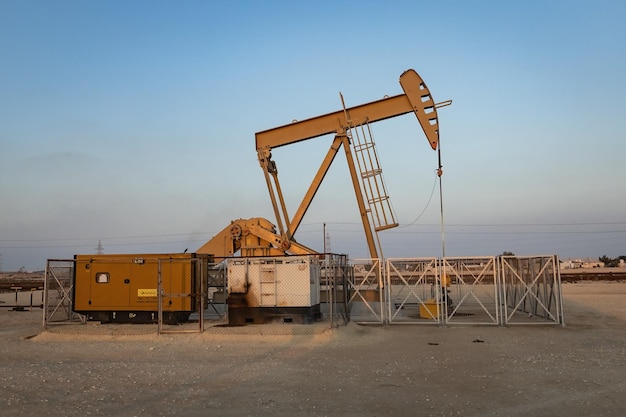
(400, 370)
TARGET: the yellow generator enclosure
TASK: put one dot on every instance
(125, 288)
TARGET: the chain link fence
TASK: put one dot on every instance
(187, 293)
(125, 294)
(287, 290)
(58, 294)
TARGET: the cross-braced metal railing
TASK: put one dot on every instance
(58, 287)
(531, 290)
(366, 291)
(413, 290)
(471, 292)
(501, 290)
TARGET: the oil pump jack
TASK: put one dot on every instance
(351, 127)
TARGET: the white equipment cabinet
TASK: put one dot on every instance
(267, 289)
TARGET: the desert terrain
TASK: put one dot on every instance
(355, 370)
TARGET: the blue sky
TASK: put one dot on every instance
(132, 123)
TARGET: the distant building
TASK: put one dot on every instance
(579, 263)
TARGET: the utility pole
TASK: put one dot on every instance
(99, 248)
(327, 243)
(326, 240)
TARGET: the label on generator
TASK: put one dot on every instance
(147, 292)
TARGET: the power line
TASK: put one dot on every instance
(489, 224)
(452, 229)
(105, 238)
(108, 244)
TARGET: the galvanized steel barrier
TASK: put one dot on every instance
(57, 293)
(143, 294)
(365, 288)
(413, 290)
(471, 290)
(503, 290)
(531, 290)
(335, 276)
(326, 289)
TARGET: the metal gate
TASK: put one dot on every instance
(471, 290)
(334, 278)
(57, 297)
(194, 272)
(531, 290)
(366, 291)
(413, 290)
(490, 290)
